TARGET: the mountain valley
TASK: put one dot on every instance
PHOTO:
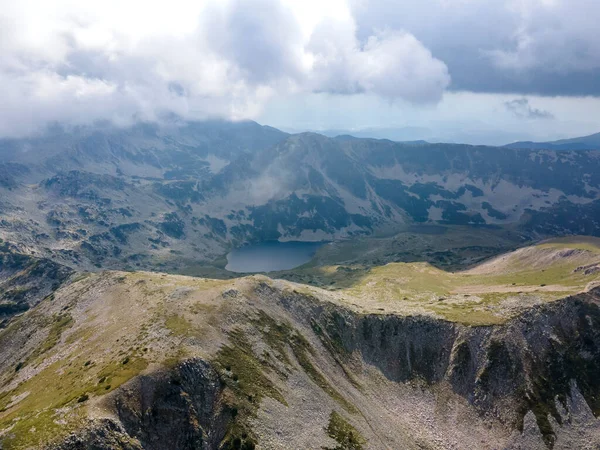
(454, 301)
(167, 197)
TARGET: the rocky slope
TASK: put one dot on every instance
(25, 281)
(169, 196)
(151, 361)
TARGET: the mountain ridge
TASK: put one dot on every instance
(123, 197)
(590, 142)
(432, 319)
(231, 363)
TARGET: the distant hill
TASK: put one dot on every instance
(591, 142)
(402, 134)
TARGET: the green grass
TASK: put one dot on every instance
(589, 243)
(178, 325)
(249, 376)
(469, 297)
(60, 322)
(57, 324)
(281, 335)
(244, 376)
(61, 384)
(347, 437)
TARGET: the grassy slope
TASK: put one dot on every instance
(104, 329)
(487, 293)
(523, 278)
(94, 336)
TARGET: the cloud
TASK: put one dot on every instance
(553, 36)
(542, 47)
(78, 62)
(390, 64)
(521, 108)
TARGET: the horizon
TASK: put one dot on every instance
(380, 133)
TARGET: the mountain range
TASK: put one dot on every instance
(167, 196)
(591, 142)
(454, 302)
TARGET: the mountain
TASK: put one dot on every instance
(404, 134)
(591, 142)
(444, 312)
(168, 197)
(154, 361)
(25, 281)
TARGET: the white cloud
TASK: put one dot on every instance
(547, 47)
(74, 61)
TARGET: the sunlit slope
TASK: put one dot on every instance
(95, 335)
(491, 292)
(144, 360)
(560, 252)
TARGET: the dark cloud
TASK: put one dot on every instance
(521, 108)
(261, 37)
(543, 47)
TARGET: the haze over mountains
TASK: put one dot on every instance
(427, 321)
(591, 142)
(154, 195)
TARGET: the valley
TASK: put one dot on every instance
(132, 360)
(169, 197)
(402, 295)
(299, 225)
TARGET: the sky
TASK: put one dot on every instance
(475, 71)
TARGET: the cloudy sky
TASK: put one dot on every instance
(479, 71)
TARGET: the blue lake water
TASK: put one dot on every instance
(270, 256)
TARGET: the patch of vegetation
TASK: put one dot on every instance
(277, 335)
(16, 295)
(172, 226)
(39, 419)
(11, 308)
(121, 232)
(80, 277)
(332, 342)
(243, 375)
(347, 437)
(302, 349)
(589, 243)
(470, 314)
(217, 226)
(492, 212)
(179, 325)
(58, 324)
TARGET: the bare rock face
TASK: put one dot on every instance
(256, 363)
(545, 362)
(99, 435)
(25, 280)
(178, 409)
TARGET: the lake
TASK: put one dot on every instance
(270, 256)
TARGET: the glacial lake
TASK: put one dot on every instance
(270, 256)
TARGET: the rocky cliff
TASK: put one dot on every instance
(151, 361)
